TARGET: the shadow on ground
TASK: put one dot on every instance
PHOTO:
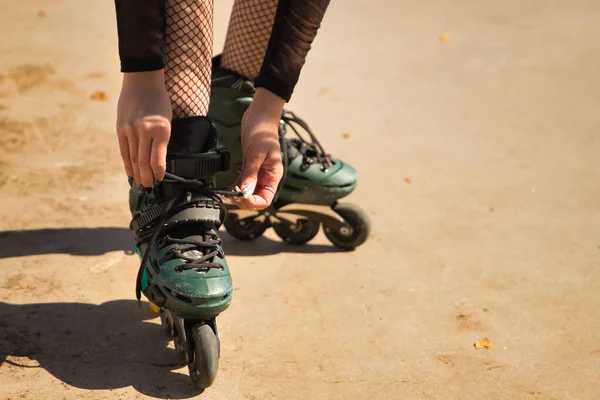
(264, 246)
(74, 241)
(99, 241)
(93, 347)
(107, 346)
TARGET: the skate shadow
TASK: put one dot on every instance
(264, 246)
(99, 241)
(95, 347)
(74, 241)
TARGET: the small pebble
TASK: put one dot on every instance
(99, 96)
(445, 38)
(484, 343)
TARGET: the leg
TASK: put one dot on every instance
(189, 44)
(312, 177)
(248, 36)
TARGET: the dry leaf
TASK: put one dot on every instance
(407, 180)
(346, 135)
(99, 96)
(484, 343)
(445, 38)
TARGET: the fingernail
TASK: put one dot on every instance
(247, 191)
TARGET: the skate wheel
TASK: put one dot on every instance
(360, 226)
(244, 229)
(203, 369)
(301, 232)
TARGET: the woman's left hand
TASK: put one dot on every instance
(263, 168)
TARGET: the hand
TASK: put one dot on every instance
(262, 168)
(144, 116)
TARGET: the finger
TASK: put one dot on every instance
(144, 148)
(262, 198)
(253, 203)
(124, 148)
(249, 176)
(158, 156)
(266, 186)
(133, 154)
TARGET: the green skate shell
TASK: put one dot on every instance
(189, 294)
(315, 186)
(226, 111)
(312, 186)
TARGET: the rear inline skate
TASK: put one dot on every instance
(313, 182)
(183, 271)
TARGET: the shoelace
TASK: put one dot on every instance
(201, 263)
(311, 151)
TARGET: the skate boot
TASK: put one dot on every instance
(312, 185)
(183, 270)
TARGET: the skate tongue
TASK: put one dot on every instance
(194, 231)
(189, 135)
(190, 232)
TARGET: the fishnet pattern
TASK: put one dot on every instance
(248, 35)
(189, 38)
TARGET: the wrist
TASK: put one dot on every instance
(267, 104)
(156, 77)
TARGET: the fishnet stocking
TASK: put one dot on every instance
(189, 38)
(248, 36)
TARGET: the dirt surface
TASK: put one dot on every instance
(474, 126)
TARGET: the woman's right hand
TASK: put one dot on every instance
(144, 116)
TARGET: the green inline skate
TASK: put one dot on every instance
(312, 185)
(183, 269)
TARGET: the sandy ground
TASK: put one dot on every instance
(479, 163)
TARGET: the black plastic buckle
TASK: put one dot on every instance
(225, 160)
(154, 294)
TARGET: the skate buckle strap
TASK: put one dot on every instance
(192, 166)
(147, 217)
(198, 213)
